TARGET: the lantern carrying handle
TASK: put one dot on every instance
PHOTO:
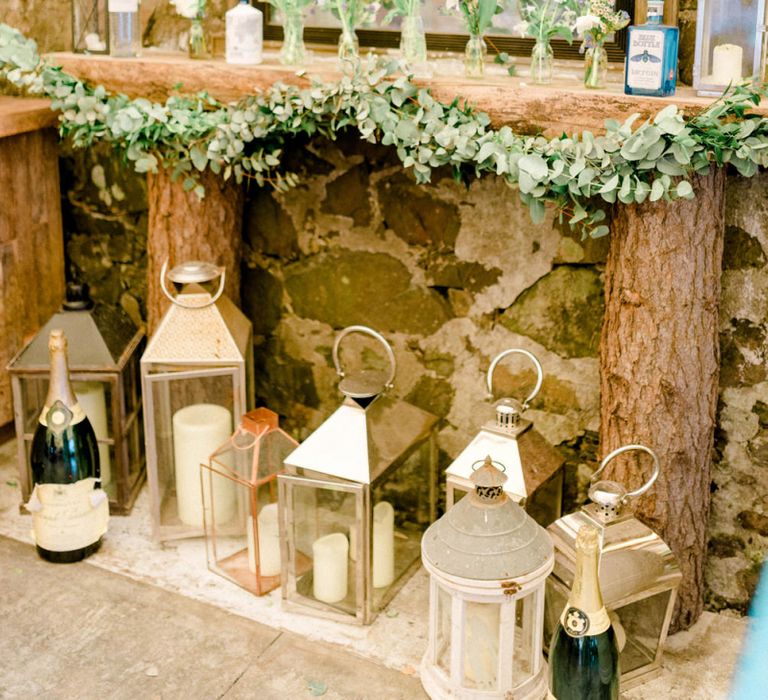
(175, 299)
(531, 357)
(631, 448)
(365, 331)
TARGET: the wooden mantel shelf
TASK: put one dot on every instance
(565, 106)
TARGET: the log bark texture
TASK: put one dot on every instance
(183, 227)
(660, 358)
(31, 243)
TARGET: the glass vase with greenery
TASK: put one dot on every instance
(601, 20)
(478, 17)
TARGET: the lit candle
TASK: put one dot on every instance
(383, 544)
(481, 651)
(90, 396)
(269, 541)
(330, 567)
(197, 431)
(726, 64)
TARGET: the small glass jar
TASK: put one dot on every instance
(349, 46)
(292, 52)
(595, 67)
(542, 60)
(474, 56)
(199, 45)
(124, 28)
(413, 41)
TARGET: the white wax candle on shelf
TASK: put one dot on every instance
(329, 568)
(269, 541)
(90, 396)
(251, 545)
(726, 64)
(197, 431)
(383, 544)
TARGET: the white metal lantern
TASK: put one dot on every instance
(639, 575)
(197, 374)
(356, 497)
(488, 561)
(534, 467)
(728, 43)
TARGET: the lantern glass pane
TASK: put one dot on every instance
(642, 623)
(556, 600)
(134, 447)
(191, 417)
(95, 398)
(89, 26)
(33, 393)
(325, 544)
(274, 447)
(728, 24)
(401, 514)
(525, 626)
(443, 630)
(481, 645)
(132, 384)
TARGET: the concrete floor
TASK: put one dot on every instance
(141, 620)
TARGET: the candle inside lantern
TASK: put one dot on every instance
(197, 431)
(481, 659)
(383, 544)
(269, 541)
(330, 567)
(90, 396)
(726, 64)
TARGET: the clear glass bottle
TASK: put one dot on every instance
(124, 28)
(542, 60)
(292, 52)
(413, 41)
(474, 56)
(199, 43)
(595, 66)
(244, 34)
(651, 67)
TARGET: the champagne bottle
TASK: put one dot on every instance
(584, 656)
(69, 509)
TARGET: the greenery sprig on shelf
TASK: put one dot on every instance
(631, 162)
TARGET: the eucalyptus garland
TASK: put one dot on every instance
(631, 162)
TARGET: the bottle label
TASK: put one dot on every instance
(123, 5)
(578, 623)
(66, 517)
(645, 59)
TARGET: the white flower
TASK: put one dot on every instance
(587, 23)
(521, 28)
(186, 8)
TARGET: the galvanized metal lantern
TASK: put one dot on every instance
(197, 374)
(241, 536)
(356, 497)
(487, 561)
(639, 575)
(728, 43)
(534, 467)
(104, 350)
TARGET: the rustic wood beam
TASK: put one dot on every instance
(183, 227)
(660, 364)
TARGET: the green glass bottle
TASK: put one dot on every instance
(584, 656)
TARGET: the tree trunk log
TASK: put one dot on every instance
(660, 363)
(183, 227)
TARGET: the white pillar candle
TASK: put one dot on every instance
(330, 567)
(383, 544)
(481, 651)
(197, 431)
(726, 64)
(90, 396)
(269, 541)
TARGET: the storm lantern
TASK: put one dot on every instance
(196, 377)
(639, 575)
(356, 497)
(104, 350)
(242, 540)
(534, 467)
(728, 44)
(487, 560)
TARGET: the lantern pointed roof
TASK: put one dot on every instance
(200, 332)
(97, 340)
(359, 443)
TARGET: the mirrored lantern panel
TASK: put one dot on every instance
(323, 550)
(191, 417)
(243, 542)
(104, 348)
(728, 43)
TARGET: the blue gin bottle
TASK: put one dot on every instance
(652, 55)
